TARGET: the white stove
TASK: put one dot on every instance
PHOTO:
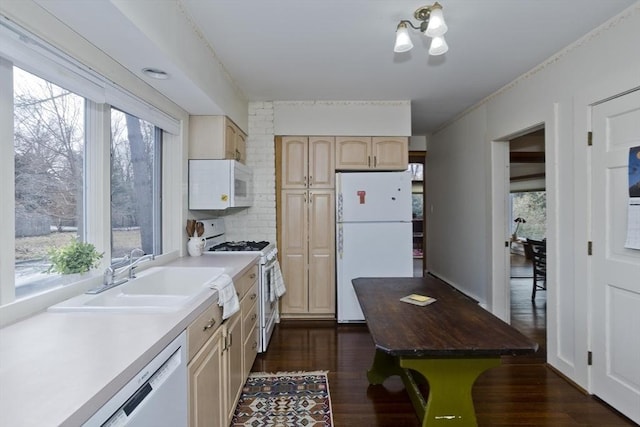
(215, 243)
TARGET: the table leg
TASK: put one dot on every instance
(450, 382)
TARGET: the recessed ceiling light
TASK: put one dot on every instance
(155, 73)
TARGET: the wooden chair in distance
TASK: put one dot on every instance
(539, 253)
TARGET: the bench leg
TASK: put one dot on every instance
(450, 382)
(384, 366)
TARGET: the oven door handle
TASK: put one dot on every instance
(268, 279)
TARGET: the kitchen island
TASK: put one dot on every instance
(449, 342)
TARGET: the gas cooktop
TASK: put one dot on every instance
(242, 246)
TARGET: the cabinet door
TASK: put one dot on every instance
(207, 400)
(235, 378)
(206, 137)
(294, 250)
(250, 349)
(241, 146)
(353, 153)
(294, 162)
(230, 133)
(321, 252)
(321, 162)
(390, 153)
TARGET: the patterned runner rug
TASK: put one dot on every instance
(285, 399)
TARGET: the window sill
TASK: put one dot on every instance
(32, 304)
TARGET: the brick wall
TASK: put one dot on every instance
(259, 221)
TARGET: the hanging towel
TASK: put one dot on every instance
(278, 289)
(227, 296)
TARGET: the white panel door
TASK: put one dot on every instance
(370, 250)
(615, 302)
(374, 196)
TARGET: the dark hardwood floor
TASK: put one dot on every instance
(521, 392)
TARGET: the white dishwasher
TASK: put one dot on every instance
(155, 397)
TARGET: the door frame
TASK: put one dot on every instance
(500, 224)
(421, 157)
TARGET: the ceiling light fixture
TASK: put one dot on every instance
(155, 73)
(432, 25)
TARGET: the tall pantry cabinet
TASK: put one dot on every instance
(307, 225)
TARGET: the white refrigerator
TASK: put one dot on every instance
(373, 232)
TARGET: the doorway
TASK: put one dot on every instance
(418, 186)
(527, 222)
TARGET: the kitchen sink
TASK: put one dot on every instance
(157, 289)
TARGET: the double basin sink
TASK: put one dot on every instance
(157, 289)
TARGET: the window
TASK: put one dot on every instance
(62, 120)
(135, 178)
(49, 142)
(530, 209)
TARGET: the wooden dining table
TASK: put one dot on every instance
(449, 343)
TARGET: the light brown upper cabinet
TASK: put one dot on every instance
(216, 137)
(372, 153)
(307, 162)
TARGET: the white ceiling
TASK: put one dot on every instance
(343, 49)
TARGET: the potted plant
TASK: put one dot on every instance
(75, 257)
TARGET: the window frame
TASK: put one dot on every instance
(46, 61)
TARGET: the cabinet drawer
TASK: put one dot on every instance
(249, 309)
(246, 280)
(203, 328)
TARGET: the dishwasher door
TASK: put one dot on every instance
(155, 397)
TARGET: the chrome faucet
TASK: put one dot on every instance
(129, 263)
(109, 277)
(134, 264)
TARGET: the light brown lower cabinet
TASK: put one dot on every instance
(219, 354)
(307, 224)
(207, 403)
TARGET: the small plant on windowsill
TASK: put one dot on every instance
(75, 257)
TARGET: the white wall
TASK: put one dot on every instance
(556, 93)
(346, 118)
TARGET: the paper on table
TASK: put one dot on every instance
(416, 299)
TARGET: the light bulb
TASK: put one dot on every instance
(438, 46)
(437, 26)
(403, 41)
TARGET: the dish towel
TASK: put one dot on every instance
(227, 296)
(278, 289)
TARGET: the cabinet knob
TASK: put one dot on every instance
(252, 276)
(253, 296)
(209, 324)
(254, 317)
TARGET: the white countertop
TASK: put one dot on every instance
(60, 368)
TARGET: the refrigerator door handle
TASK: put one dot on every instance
(339, 208)
(340, 241)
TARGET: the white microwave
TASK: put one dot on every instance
(219, 185)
